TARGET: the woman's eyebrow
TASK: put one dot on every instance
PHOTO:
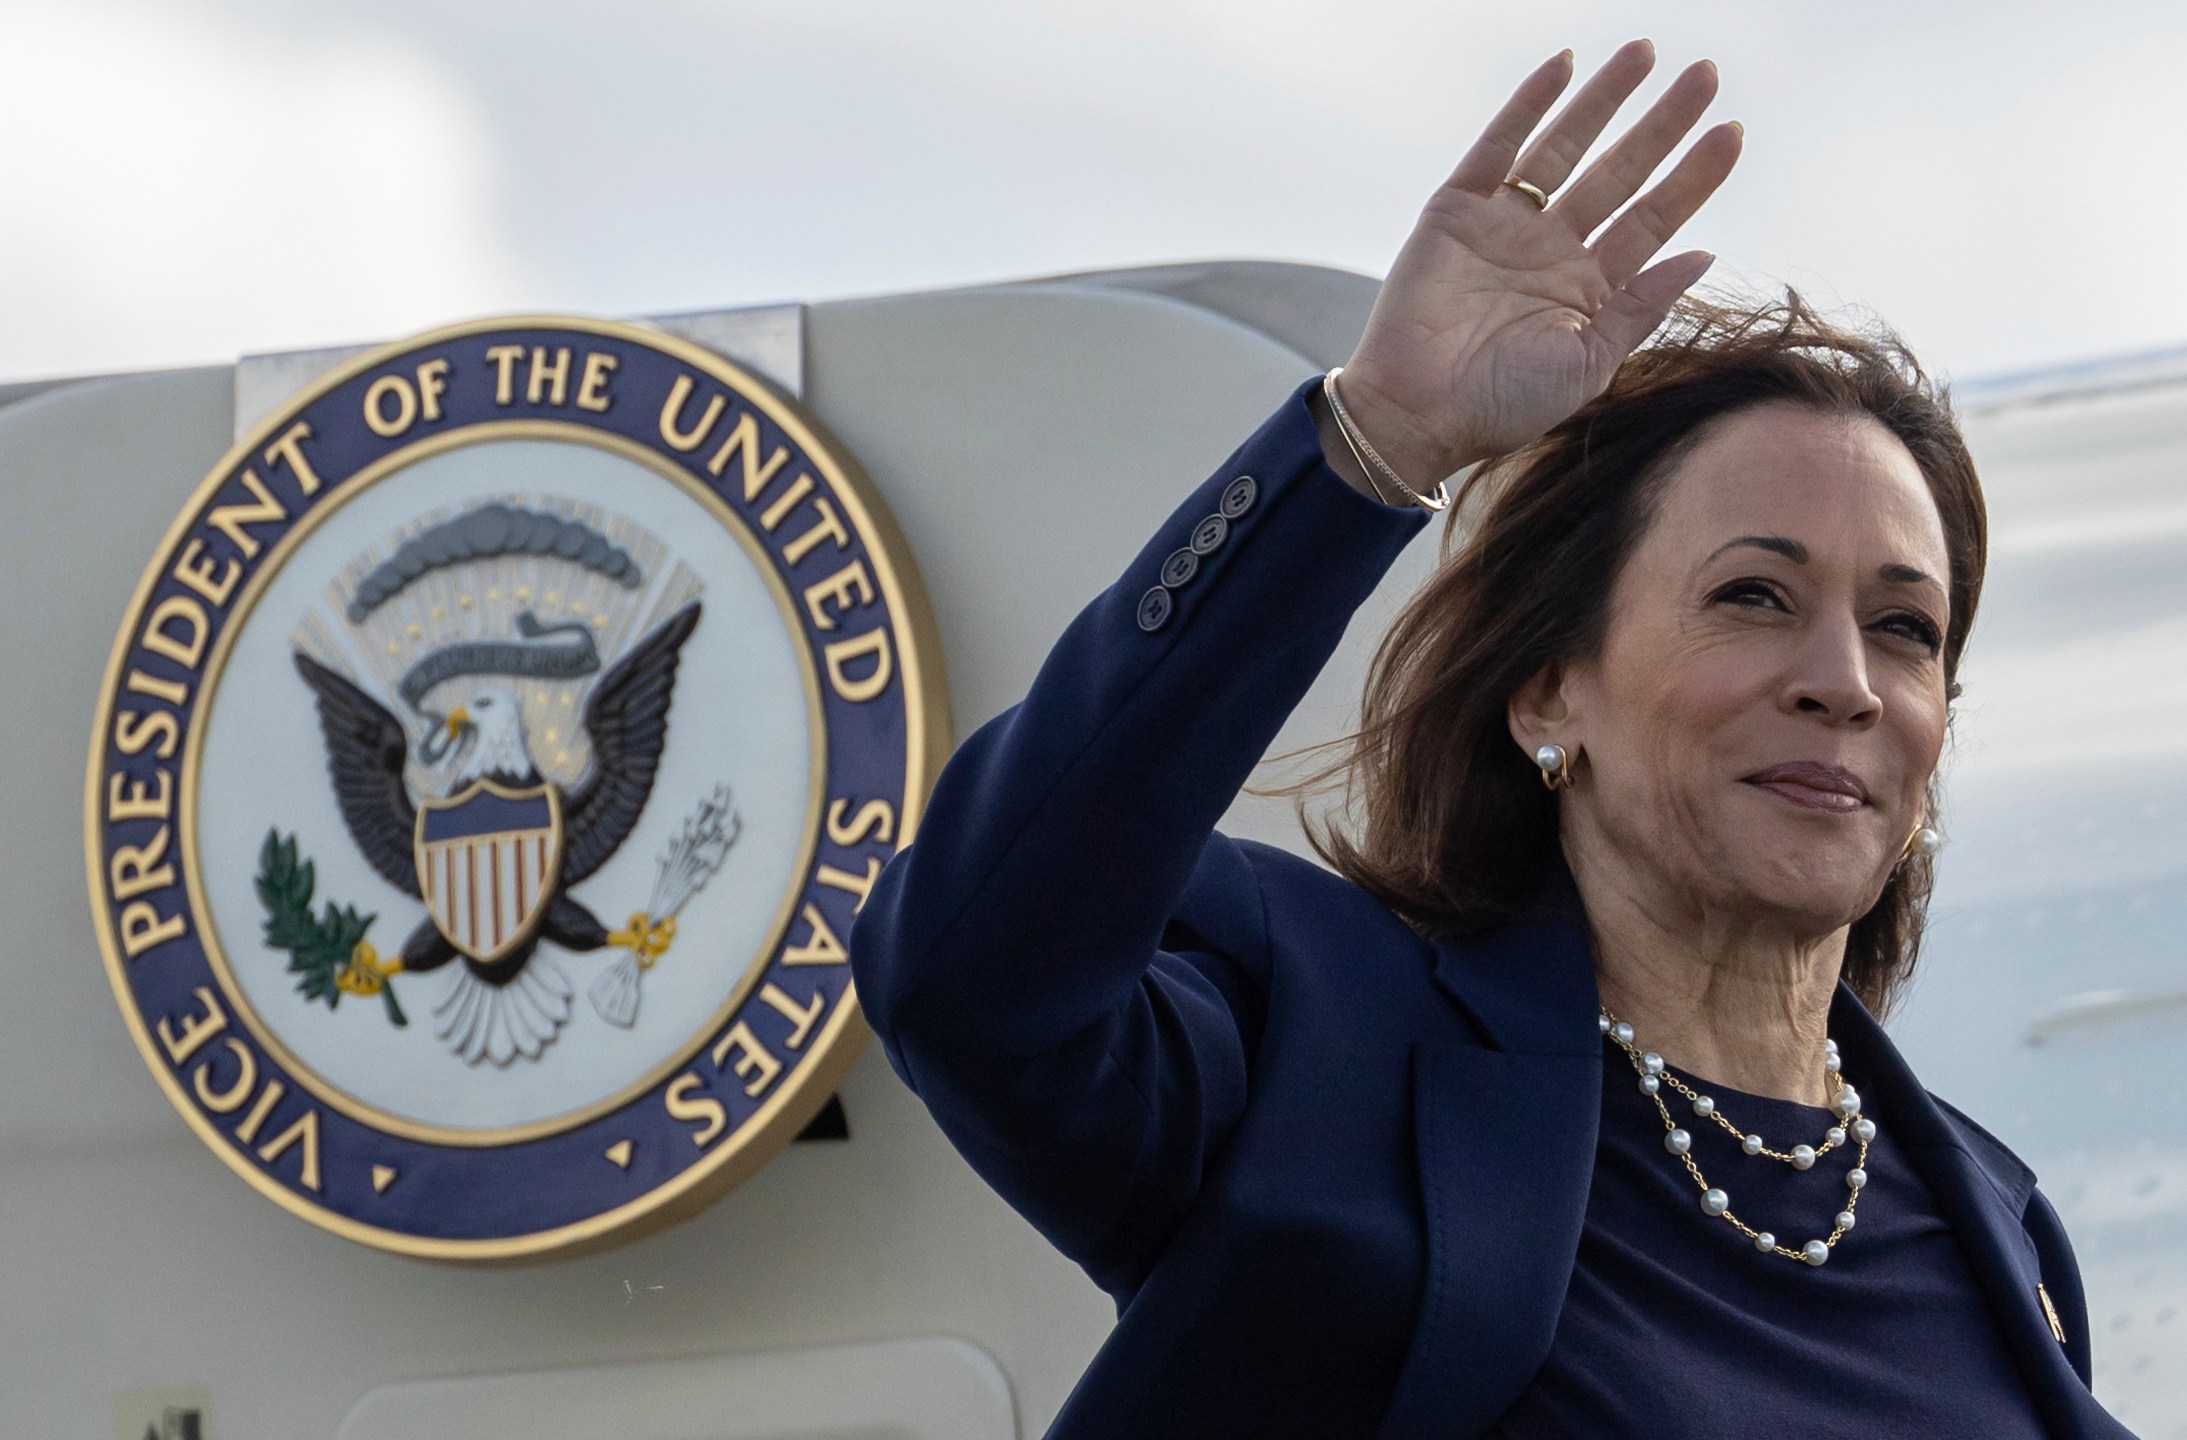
(1792, 550)
(1906, 575)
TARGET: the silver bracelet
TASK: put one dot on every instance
(1328, 391)
(1369, 460)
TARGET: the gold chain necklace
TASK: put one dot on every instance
(1844, 1102)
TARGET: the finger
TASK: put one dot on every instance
(1649, 223)
(1484, 166)
(1556, 152)
(1626, 166)
(1635, 312)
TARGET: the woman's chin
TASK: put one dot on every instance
(1820, 888)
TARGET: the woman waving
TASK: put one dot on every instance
(1560, 1107)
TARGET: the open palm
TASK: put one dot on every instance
(1502, 317)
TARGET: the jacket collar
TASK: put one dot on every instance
(1529, 986)
(1917, 1117)
(1982, 1191)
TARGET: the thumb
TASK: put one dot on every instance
(1634, 312)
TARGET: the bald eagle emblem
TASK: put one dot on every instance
(443, 795)
(491, 766)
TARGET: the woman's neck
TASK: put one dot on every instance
(1742, 1001)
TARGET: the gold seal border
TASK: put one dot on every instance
(927, 741)
(216, 663)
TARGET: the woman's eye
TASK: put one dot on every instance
(1915, 628)
(1753, 594)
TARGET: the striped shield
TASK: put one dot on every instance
(488, 860)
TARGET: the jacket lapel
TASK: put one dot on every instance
(1506, 1133)
(1505, 1136)
(1982, 1190)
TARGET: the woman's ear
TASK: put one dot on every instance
(1540, 712)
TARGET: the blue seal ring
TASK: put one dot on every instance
(755, 1076)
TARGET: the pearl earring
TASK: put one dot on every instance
(1556, 766)
(1924, 842)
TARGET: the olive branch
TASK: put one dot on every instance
(329, 955)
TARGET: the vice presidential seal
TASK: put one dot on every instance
(487, 773)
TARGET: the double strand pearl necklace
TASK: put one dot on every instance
(1844, 1102)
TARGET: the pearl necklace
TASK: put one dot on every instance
(1845, 1102)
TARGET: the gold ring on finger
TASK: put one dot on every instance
(1531, 191)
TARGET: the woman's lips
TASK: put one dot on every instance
(1818, 787)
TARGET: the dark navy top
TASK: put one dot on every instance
(1675, 1324)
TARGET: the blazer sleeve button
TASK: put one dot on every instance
(1208, 535)
(1238, 497)
(1181, 566)
(1154, 608)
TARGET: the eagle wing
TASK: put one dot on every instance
(627, 721)
(366, 748)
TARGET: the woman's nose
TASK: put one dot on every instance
(1829, 679)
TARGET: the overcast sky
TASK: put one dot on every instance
(187, 180)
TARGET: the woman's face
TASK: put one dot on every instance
(1769, 701)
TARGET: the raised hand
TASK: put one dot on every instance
(1500, 318)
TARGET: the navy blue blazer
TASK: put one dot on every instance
(1332, 1173)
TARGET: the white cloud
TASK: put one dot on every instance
(181, 185)
(1990, 177)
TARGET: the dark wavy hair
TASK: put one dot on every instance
(1442, 818)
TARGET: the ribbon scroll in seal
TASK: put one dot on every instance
(486, 775)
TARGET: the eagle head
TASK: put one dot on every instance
(483, 736)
